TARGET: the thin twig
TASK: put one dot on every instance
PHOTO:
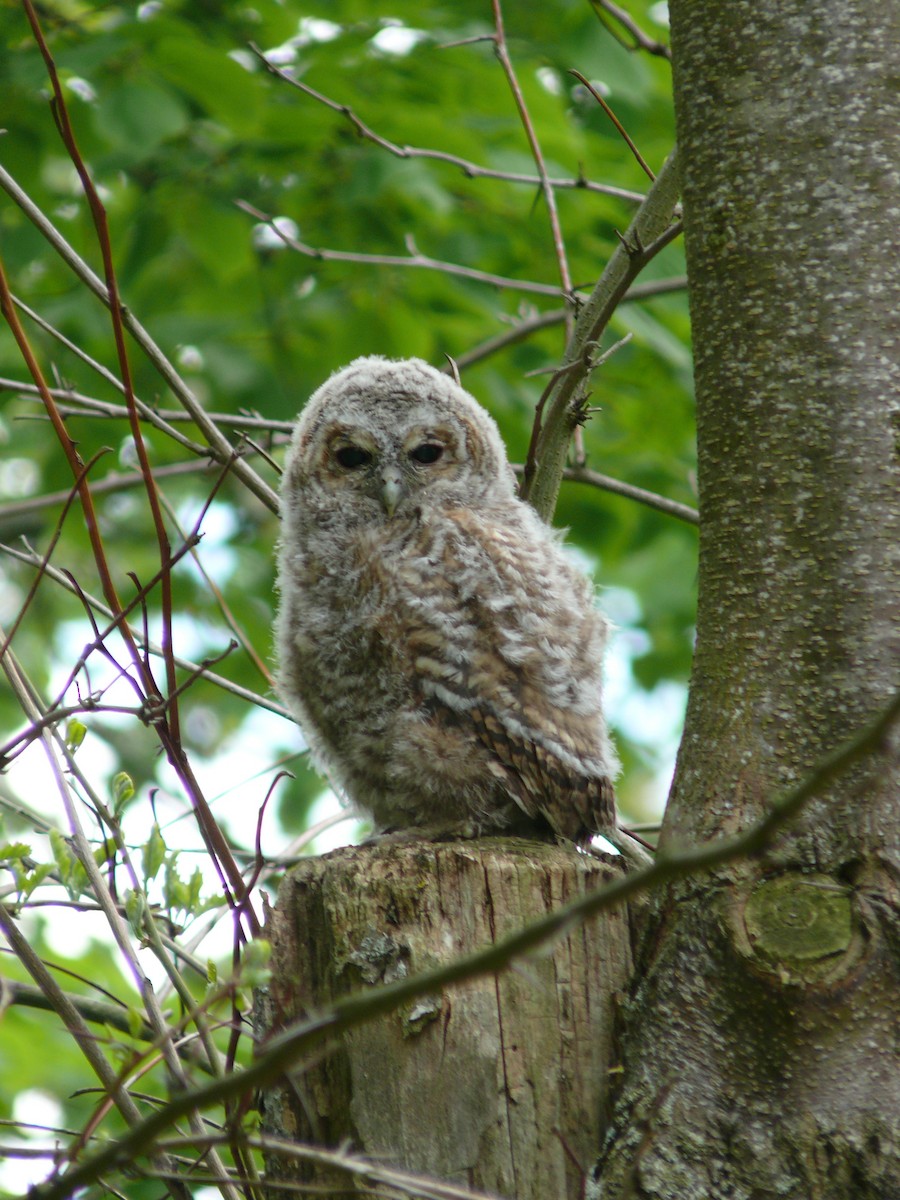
(623, 133)
(163, 418)
(242, 693)
(469, 169)
(48, 554)
(502, 52)
(640, 40)
(163, 1034)
(414, 258)
(672, 508)
(525, 328)
(230, 619)
(72, 402)
(75, 1023)
(365, 1170)
(116, 307)
(216, 843)
(145, 411)
(114, 482)
(113, 1083)
(220, 448)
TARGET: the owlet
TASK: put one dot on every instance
(439, 650)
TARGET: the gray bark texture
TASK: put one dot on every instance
(497, 1083)
(761, 1043)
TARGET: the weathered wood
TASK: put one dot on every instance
(498, 1083)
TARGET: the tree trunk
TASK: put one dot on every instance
(496, 1084)
(760, 1054)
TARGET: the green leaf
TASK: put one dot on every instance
(106, 852)
(62, 854)
(154, 854)
(75, 734)
(13, 851)
(175, 891)
(225, 90)
(135, 905)
(193, 893)
(122, 791)
(32, 879)
(135, 118)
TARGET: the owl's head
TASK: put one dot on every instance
(382, 438)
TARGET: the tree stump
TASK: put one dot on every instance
(497, 1083)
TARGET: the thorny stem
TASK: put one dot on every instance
(651, 230)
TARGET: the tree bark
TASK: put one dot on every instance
(496, 1084)
(761, 1052)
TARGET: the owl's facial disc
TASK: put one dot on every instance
(399, 464)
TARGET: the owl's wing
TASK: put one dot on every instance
(520, 660)
(576, 805)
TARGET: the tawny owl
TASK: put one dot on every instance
(439, 650)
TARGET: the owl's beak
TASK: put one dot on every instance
(392, 491)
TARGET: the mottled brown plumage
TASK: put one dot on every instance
(440, 651)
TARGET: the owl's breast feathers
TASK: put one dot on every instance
(499, 641)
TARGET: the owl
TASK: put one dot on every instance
(439, 650)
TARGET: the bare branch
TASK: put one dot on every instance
(220, 448)
(672, 508)
(505, 61)
(150, 647)
(74, 1021)
(144, 410)
(640, 40)
(414, 258)
(623, 133)
(469, 169)
(525, 328)
(365, 1170)
(651, 230)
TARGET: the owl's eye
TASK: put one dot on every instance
(352, 457)
(428, 452)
